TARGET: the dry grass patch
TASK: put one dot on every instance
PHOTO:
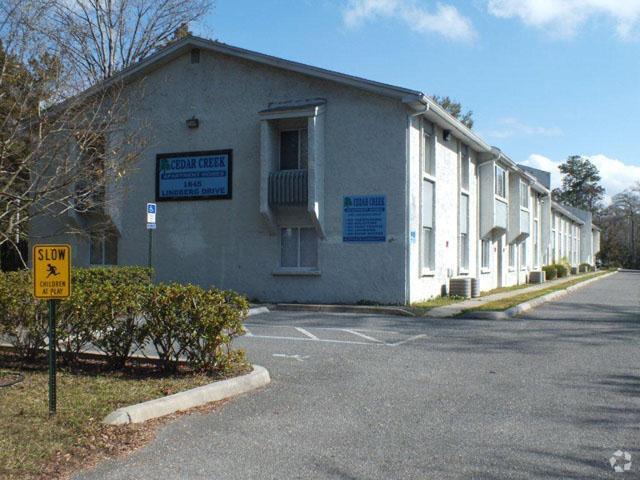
(32, 445)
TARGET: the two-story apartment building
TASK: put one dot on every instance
(288, 182)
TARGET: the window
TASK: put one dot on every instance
(464, 231)
(428, 225)
(523, 255)
(294, 149)
(524, 195)
(298, 248)
(536, 206)
(428, 154)
(535, 243)
(512, 255)
(486, 254)
(464, 167)
(103, 248)
(501, 182)
(553, 246)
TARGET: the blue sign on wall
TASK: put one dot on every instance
(364, 219)
(194, 175)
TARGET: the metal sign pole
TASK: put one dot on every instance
(150, 246)
(52, 357)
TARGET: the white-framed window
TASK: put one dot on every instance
(103, 248)
(294, 149)
(512, 255)
(501, 181)
(428, 149)
(553, 246)
(464, 231)
(428, 226)
(298, 248)
(464, 167)
(523, 255)
(524, 194)
(536, 258)
(486, 254)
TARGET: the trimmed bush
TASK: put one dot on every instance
(117, 310)
(23, 319)
(551, 272)
(186, 321)
(584, 267)
(562, 270)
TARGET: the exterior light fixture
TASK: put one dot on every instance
(193, 122)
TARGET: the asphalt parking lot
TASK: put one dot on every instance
(553, 395)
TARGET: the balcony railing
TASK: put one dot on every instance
(524, 222)
(288, 188)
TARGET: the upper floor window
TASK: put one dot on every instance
(501, 182)
(464, 167)
(428, 150)
(524, 195)
(294, 149)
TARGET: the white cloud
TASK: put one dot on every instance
(509, 127)
(564, 18)
(444, 19)
(616, 175)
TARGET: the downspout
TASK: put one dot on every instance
(407, 206)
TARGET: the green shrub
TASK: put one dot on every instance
(101, 312)
(551, 272)
(584, 267)
(562, 270)
(186, 321)
(216, 319)
(23, 319)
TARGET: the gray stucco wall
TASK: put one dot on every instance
(226, 243)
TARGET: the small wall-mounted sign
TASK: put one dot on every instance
(194, 175)
(364, 219)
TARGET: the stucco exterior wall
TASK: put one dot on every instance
(425, 285)
(226, 243)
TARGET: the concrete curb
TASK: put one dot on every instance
(513, 312)
(257, 311)
(372, 310)
(195, 397)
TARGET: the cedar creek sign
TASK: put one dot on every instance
(194, 175)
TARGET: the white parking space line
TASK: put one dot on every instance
(300, 358)
(307, 333)
(402, 342)
(361, 335)
(321, 340)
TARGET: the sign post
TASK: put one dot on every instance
(151, 226)
(52, 282)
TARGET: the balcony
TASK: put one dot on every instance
(501, 214)
(288, 188)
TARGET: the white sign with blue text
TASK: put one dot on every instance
(364, 218)
(151, 216)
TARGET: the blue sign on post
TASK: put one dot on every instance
(364, 219)
(194, 175)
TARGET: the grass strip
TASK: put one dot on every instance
(506, 303)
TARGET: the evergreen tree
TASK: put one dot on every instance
(455, 109)
(580, 184)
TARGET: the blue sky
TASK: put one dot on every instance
(545, 79)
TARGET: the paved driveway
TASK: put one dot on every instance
(365, 397)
